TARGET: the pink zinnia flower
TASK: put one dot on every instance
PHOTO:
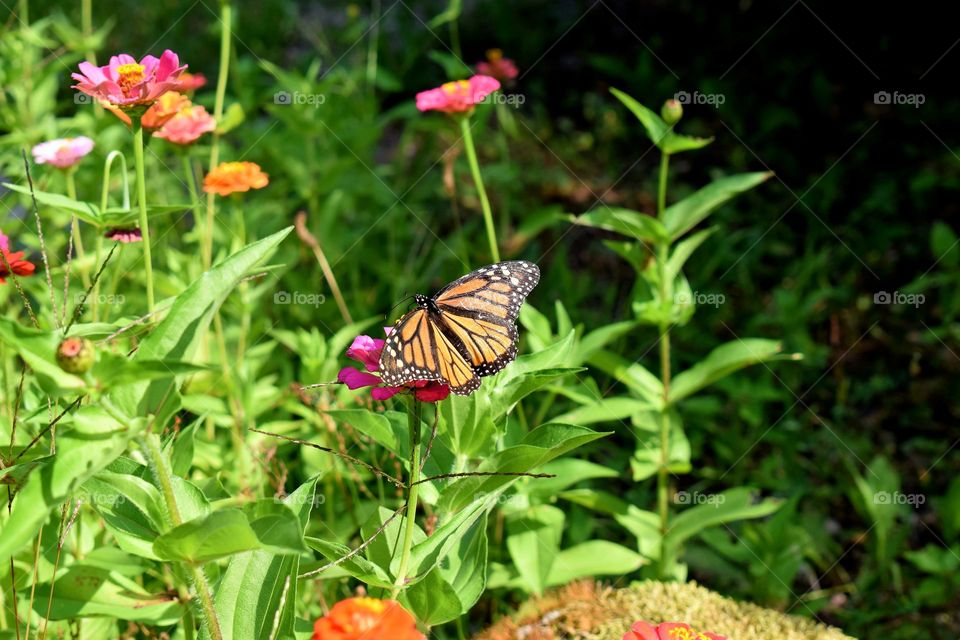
(496, 66)
(127, 83)
(18, 265)
(125, 236)
(459, 96)
(667, 631)
(366, 350)
(63, 152)
(191, 81)
(187, 126)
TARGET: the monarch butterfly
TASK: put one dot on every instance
(463, 333)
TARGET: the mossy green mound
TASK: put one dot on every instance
(591, 611)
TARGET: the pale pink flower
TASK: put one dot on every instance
(187, 126)
(63, 152)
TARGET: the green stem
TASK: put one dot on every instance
(160, 467)
(226, 18)
(75, 228)
(410, 517)
(663, 253)
(478, 181)
(373, 46)
(142, 200)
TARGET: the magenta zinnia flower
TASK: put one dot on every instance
(187, 126)
(63, 152)
(366, 350)
(496, 66)
(127, 83)
(457, 97)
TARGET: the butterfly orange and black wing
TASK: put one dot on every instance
(417, 349)
(480, 311)
(470, 334)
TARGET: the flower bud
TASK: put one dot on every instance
(671, 111)
(76, 355)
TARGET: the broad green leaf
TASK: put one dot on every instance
(375, 425)
(646, 458)
(682, 216)
(729, 506)
(675, 143)
(644, 525)
(505, 397)
(538, 447)
(82, 590)
(357, 566)
(633, 224)
(723, 361)
(426, 554)
(255, 583)
(232, 118)
(633, 374)
(85, 210)
(683, 250)
(433, 600)
(38, 349)
(131, 508)
(605, 410)
(533, 540)
(265, 524)
(656, 128)
(568, 472)
(179, 333)
(593, 558)
(465, 565)
(597, 339)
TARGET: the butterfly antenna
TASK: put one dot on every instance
(387, 314)
(319, 384)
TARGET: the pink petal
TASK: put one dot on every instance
(384, 393)
(90, 72)
(169, 62)
(356, 379)
(641, 631)
(367, 351)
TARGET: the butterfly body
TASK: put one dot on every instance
(463, 333)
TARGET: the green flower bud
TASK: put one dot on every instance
(672, 111)
(76, 355)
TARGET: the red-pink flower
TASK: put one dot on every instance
(457, 97)
(187, 126)
(366, 350)
(124, 236)
(62, 153)
(18, 265)
(191, 81)
(496, 66)
(127, 83)
(667, 631)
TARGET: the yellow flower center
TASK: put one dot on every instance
(494, 55)
(130, 75)
(686, 634)
(456, 87)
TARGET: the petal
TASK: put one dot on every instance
(168, 63)
(355, 379)
(666, 629)
(367, 351)
(384, 393)
(432, 392)
(641, 631)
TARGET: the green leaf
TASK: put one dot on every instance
(723, 361)
(682, 216)
(730, 506)
(254, 584)
(426, 554)
(86, 211)
(357, 566)
(233, 117)
(433, 600)
(632, 224)
(593, 558)
(633, 374)
(178, 335)
(605, 410)
(264, 524)
(659, 132)
(533, 540)
(538, 447)
(683, 250)
(644, 525)
(131, 508)
(83, 590)
(568, 472)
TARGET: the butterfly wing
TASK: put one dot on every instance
(417, 349)
(478, 312)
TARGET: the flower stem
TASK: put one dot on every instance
(164, 477)
(413, 489)
(478, 181)
(75, 228)
(226, 17)
(142, 200)
(663, 253)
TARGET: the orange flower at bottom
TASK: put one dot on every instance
(367, 619)
(232, 177)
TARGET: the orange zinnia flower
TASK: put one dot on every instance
(233, 177)
(165, 108)
(367, 619)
